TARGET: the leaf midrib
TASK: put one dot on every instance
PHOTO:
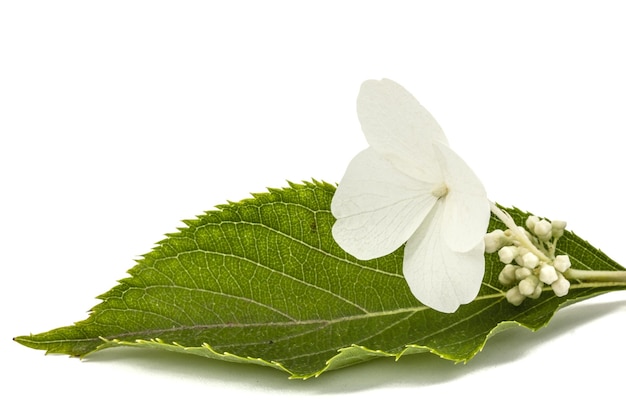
(321, 322)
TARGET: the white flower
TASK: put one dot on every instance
(409, 186)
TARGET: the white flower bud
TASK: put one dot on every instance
(521, 251)
(521, 273)
(507, 276)
(531, 221)
(537, 293)
(558, 227)
(528, 285)
(547, 274)
(560, 286)
(543, 230)
(515, 297)
(562, 263)
(530, 260)
(507, 254)
(495, 240)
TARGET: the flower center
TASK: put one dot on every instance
(440, 190)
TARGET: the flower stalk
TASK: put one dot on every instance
(600, 276)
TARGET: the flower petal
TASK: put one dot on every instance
(467, 211)
(397, 126)
(438, 276)
(377, 206)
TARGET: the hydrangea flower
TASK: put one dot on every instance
(409, 186)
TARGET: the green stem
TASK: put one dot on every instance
(600, 276)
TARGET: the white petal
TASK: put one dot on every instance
(438, 276)
(467, 210)
(397, 126)
(377, 206)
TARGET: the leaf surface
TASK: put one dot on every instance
(262, 281)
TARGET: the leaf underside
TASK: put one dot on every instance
(262, 281)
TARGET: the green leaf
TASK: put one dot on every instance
(262, 281)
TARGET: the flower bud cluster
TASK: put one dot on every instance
(529, 255)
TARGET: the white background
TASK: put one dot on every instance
(119, 119)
